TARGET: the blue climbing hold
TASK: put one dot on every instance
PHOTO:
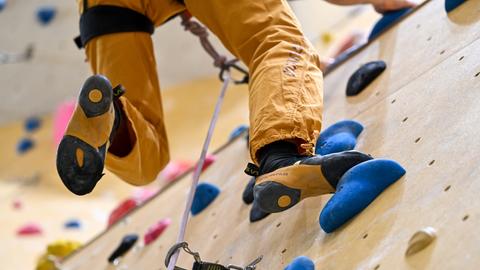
(301, 263)
(205, 194)
(341, 136)
(46, 14)
(452, 4)
(357, 188)
(72, 224)
(24, 145)
(32, 123)
(387, 19)
(3, 3)
(237, 131)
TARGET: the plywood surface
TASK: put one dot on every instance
(429, 123)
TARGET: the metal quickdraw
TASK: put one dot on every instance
(219, 61)
(201, 265)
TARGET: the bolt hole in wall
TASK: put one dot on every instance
(478, 74)
(431, 162)
(429, 38)
(460, 59)
(377, 267)
(465, 217)
(393, 101)
(418, 139)
(283, 251)
(405, 119)
(442, 52)
(418, 26)
(279, 224)
(365, 236)
(447, 188)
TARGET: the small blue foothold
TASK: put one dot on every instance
(357, 188)
(205, 194)
(3, 3)
(46, 14)
(72, 224)
(452, 4)
(387, 19)
(301, 263)
(32, 123)
(341, 136)
(237, 131)
(24, 145)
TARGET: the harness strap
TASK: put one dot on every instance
(105, 19)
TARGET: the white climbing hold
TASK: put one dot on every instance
(420, 240)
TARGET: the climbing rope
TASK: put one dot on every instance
(196, 175)
(219, 61)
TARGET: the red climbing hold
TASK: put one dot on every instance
(30, 229)
(174, 169)
(156, 230)
(121, 210)
(209, 160)
(17, 204)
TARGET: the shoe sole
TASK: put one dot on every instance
(79, 164)
(273, 197)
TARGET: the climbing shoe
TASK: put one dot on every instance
(81, 153)
(285, 177)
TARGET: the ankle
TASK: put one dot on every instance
(277, 155)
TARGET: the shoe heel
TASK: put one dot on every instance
(79, 165)
(96, 96)
(273, 197)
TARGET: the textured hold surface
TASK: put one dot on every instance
(357, 189)
(32, 123)
(121, 210)
(46, 14)
(156, 230)
(301, 263)
(237, 131)
(420, 240)
(341, 136)
(363, 76)
(30, 229)
(72, 224)
(256, 214)
(205, 194)
(247, 195)
(127, 243)
(24, 145)
(55, 252)
(452, 4)
(388, 19)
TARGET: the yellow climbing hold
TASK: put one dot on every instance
(327, 37)
(55, 252)
(420, 240)
(284, 201)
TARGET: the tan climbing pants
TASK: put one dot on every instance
(286, 84)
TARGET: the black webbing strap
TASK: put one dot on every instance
(208, 266)
(104, 19)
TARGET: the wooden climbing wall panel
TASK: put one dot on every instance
(426, 116)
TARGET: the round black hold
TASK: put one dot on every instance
(364, 76)
(127, 243)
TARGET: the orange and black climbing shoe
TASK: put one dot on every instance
(285, 177)
(81, 153)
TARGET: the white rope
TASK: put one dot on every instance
(198, 169)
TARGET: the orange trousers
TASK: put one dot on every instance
(286, 83)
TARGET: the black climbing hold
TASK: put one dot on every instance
(247, 195)
(452, 4)
(364, 76)
(127, 243)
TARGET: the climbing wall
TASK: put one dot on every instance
(423, 112)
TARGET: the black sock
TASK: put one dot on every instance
(277, 155)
